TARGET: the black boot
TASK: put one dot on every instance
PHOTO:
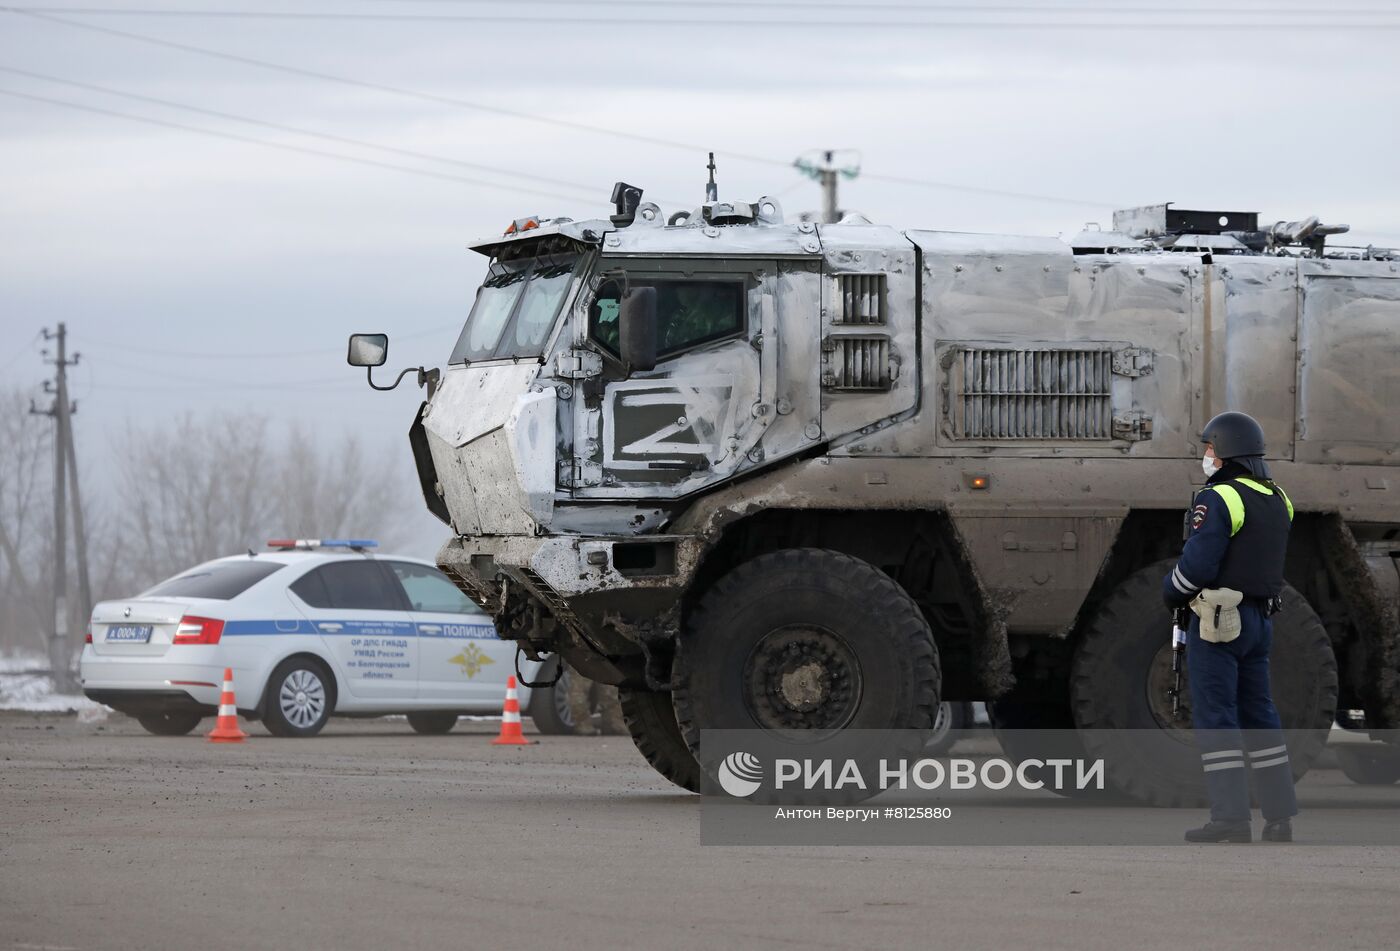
(1278, 830)
(1214, 831)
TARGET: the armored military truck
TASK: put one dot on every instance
(782, 475)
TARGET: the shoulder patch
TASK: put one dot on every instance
(1198, 517)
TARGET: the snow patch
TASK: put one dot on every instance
(24, 685)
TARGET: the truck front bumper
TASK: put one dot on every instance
(604, 588)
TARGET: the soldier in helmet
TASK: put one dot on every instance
(1231, 575)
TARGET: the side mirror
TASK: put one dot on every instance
(636, 320)
(368, 350)
(371, 350)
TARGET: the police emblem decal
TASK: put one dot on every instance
(471, 660)
(1198, 517)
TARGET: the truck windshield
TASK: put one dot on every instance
(515, 308)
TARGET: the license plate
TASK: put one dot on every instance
(129, 633)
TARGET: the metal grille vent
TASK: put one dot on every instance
(1032, 394)
(862, 299)
(857, 363)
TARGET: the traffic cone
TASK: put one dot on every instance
(226, 728)
(510, 719)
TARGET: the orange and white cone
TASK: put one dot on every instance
(226, 729)
(511, 734)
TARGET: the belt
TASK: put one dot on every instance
(1268, 606)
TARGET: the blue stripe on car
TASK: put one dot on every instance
(359, 628)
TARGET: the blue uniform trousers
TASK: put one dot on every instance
(1237, 727)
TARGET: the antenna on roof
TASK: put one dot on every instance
(711, 189)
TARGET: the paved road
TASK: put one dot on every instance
(370, 837)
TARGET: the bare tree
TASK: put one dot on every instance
(180, 494)
(339, 491)
(212, 486)
(26, 532)
(188, 492)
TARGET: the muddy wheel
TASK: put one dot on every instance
(651, 719)
(1121, 677)
(805, 640)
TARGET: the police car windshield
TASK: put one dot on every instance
(516, 306)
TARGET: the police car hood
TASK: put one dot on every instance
(493, 445)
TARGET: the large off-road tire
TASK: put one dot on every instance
(805, 639)
(1121, 677)
(1367, 767)
(549, 706)
(299, 698)
(169, 724)
(651, 719)
(432, 722)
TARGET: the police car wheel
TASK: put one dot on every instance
(169, 724)
(1120, 677)
(549, 706)
(946, 724)
(651, 719)
(299, 698)
(1368, 768)
(806, 640)
(432, 724)
(1044, 730)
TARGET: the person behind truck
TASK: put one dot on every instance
(1231, 576)
(582, 694)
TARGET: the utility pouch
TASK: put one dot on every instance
(1219, 611)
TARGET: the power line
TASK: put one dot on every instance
(382, 87)
(269, 355)
(163, 375)
(318, 390)
(298, 131)
(283, 146)
(612, 20)
(24, 351)
(517, 114)
(845, 5)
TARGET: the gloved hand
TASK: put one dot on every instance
(1172, 597)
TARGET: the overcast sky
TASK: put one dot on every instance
(202, 273)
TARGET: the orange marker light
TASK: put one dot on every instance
(978, 482)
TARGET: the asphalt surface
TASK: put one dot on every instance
(371, 837)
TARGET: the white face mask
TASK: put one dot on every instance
(1210, 465)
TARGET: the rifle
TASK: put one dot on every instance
(1180, 620)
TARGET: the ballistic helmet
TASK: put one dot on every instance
(1234, 436)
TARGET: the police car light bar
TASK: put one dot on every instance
(312, 543)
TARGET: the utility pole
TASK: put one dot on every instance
(60, 654)
(828, 167)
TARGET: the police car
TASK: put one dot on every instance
(311, 628)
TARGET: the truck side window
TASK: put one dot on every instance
(689, 313)
(602, 317)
